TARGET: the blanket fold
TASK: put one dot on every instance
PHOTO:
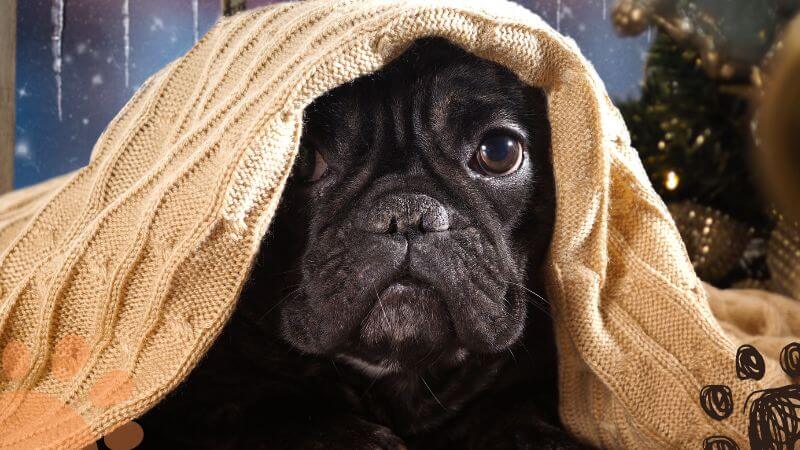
(116, 279)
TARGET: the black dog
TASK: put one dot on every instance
(396, 301)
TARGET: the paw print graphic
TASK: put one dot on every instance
(23, 423)
(773, 414)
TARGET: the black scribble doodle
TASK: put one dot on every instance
(773, 414)
(717, 401)
(775, 418)
(790, 359)
(719, 443)
(749, 363)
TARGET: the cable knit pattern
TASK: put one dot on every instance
(116, 279)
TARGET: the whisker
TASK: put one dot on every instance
(366, 316)
(431, 391)
(538, 304)
(546, 302)
(375, 379)
(525, 348)
(336, 368)
(511, 352)
(280, 302)
(371, 384)
(380, 303)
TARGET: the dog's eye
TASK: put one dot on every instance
(499, 155)
(320, 167)
(313, 165)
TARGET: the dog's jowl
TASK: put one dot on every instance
(397, 301)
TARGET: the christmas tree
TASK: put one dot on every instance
(692, 133)
(693, 127)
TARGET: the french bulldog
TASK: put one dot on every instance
(397, 300)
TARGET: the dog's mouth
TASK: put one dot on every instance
(407, 327)
(403, 288)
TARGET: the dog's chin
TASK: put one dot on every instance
(408, 328)
(378, 365)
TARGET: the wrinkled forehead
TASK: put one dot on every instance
(434, 83)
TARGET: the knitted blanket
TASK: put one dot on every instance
(116, 279)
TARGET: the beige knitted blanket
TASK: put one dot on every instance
(115, 279)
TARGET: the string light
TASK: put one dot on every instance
(672, 181)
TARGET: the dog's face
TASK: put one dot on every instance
(428, 193)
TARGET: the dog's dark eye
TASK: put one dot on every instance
(499, 155)
(320, 167)
(313, 165)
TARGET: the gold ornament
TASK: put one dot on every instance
(699, 26)
(783, 257)
(631, 17)
(778, 124)
(715, 242)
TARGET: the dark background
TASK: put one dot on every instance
(93, 66)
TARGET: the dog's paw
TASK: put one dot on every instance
(773, 415)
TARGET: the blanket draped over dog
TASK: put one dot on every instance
(116, 279)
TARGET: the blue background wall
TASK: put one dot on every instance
(93, 66)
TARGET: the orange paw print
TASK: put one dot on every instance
(22, 419)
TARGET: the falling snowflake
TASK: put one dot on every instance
(97, 79)
(22, 151)
(157, 24)
(85, 121)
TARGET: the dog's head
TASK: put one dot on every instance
(428, 193)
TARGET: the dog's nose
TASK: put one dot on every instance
(406, 214)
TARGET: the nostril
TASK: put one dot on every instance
(406, 214)
(434, 221)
